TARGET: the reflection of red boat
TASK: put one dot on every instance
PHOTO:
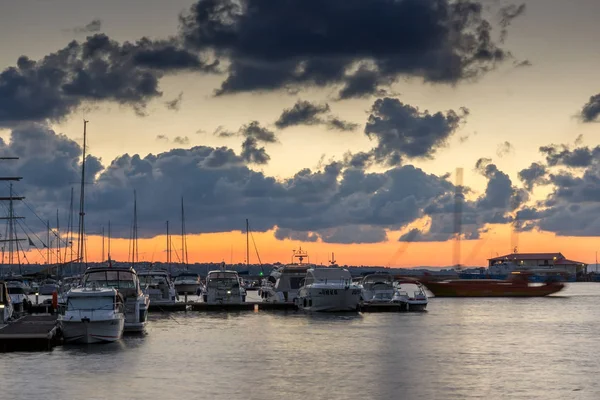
(516, 286)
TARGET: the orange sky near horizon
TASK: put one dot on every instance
(231, 248)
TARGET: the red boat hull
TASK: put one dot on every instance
(491, 288)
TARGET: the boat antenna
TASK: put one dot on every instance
(103, 245)
(81, 256)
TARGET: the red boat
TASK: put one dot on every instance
(517, 286)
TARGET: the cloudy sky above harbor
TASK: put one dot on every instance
(333, 125)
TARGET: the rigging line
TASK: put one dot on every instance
(32, 232)
(255, 248)
(175, 250)
(17, 194)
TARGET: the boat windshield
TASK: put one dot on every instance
(90, 303)
(186, 278)
(152, 279)
(113, 279)
(222, 279)
(15, 290)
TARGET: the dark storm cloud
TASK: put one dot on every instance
(353, 234)
(335, 203)
(94, 26)
(307, 113)
(97, 69)
(577, 158)
(254, 134)
(175, 104)
(162, 138)
(591, 109)
(356, 45)
(403, 131)
(283, 234)
(533, 175)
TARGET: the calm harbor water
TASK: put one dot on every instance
(459, 349)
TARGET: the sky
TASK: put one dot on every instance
(337, 126)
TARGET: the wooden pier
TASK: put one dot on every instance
(29, 333)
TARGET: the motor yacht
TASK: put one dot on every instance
(223, 287)
(378, 288)
(6, 307)
(328, 289)
(287, 284)
(412, 293)
(187, 282)
(158, 286)
(17, 292)
(92, 315)
(126, 281)
(48, 287)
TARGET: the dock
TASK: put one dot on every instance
(260, 306)
(29, 333)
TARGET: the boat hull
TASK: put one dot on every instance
(189, 288)
(85, 331)
(329, 300)
(470, 288)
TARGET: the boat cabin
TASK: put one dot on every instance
(222, 279)
(124, 279)
(88, 299)
(327, 275)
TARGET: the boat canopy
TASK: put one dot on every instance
(111, 277)
(331, 274)
(377, 278)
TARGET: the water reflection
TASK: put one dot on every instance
(459, 349)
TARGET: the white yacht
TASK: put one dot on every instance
(158, 286)
(6, 307)
(412, 293)
(223, 287)
(187, 282)
(48, 287)
(287, 284)
(17, 292)
(378, 288)
(92, 315)
(126, 281)
(328, 289)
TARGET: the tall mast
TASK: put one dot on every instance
(57, 240)
(134, 249)
(70, 232)
(184, 256)
(48, 243)
(81, 256)
(11, 218)
(247, 244)
(102, 245)
(109, 240)
(168, 247)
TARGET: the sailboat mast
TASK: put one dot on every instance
(81, 256)
(102, 244)
(57, 239)
(168, 247)
(247, 244)
(11, 221)
(109, 239)
(184, 258)
(134, 252)
(48, 243)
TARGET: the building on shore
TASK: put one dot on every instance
(556, 261)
